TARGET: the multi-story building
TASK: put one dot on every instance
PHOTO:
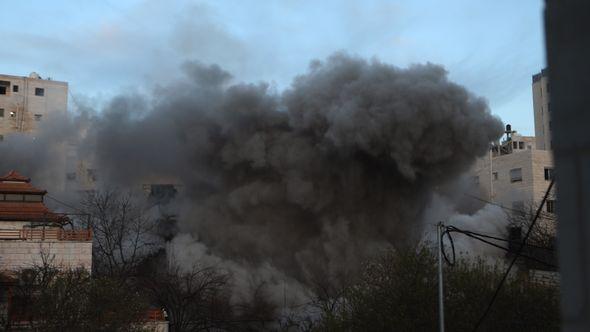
(32, 235)
(514, 174)
(24, 101)
(542, 109)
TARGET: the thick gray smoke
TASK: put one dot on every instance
(312, 179)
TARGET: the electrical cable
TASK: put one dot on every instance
(451, 229)
(513, 261)
(442, 249)
(468, 233)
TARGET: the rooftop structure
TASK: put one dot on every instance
(542, 110)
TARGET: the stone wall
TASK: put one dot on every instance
(18, 254)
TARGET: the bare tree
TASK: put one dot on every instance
(123, 233)
(195, 300)
(541, 244)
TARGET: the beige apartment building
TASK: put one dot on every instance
(25, 101)
(516, 178)
(542, 109)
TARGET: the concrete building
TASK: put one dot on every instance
(542, 110)
(31, 234)
(24, 101)
(517, 177)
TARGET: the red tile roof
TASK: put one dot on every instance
(14, 176)
(23, 210)
(27, 211)
(14, 183)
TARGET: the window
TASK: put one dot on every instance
(515, 145)
(4, 87)
(516, 175)
(1, 112)
(551, 206)
(33, 198)
(548, 173)
(15, 88)
(38, 117)
(549, 107)
(14, 197)
(550, 125)
(39, 92)
(521, 145)
(495, 176)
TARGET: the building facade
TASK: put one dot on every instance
(517, 178)
(542, 110)
(32, 235)
(25, 101)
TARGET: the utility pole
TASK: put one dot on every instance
(441, 309)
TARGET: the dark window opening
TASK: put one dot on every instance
(495, 174)
(521, 145)
(551, 206)
(4, 87)
(38, 117)
(548, 173)
(1, 112)
(39, 92)
(15, 88)
(515, 145)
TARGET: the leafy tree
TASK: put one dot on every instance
(398, 292)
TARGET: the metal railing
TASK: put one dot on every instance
(42, 234)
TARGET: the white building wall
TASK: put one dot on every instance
(18, 254)
(501, 190)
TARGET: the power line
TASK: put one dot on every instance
(450, 229)
(516, 255)
(65, 204)
(497, 238)
(545, 215)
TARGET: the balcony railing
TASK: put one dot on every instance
(42, 234)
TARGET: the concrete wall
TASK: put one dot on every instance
(542, 111)
(18, 254)
(27, 107)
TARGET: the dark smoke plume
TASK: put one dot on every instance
(312, 179)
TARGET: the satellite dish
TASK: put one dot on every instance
(34, 75)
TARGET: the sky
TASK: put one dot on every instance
(106, 47)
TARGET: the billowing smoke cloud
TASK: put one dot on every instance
(310, 179)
